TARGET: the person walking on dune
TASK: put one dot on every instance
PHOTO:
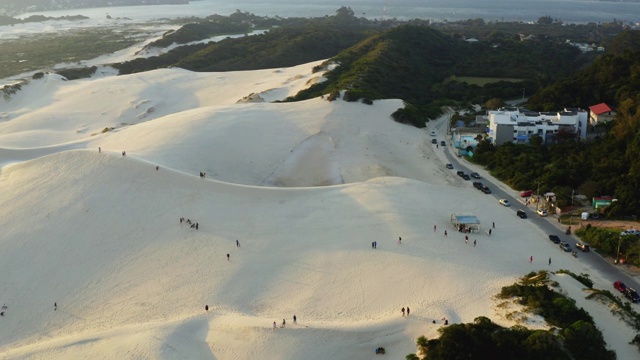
(399, 240)
(445, 233)
(403, 311)
(530, 259)
(237, 243)
(295, 319)
(228, 256)
(434, 228)
(408, 311)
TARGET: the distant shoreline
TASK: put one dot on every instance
(568, 12)
(17, 8)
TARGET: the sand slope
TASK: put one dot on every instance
(99, 233)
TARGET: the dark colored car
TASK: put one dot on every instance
(442, 143)
(582, 246)
(564, 246)
(434, 141)
(460, 173)
(632, 295)
(475, 175)
(620, 286)
(521, 214)
(466, 177)
(486, 190)
(554, 239)
(449, 166)
(478, 185)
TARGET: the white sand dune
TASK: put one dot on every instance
(305, 187)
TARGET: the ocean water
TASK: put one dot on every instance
(570, 11)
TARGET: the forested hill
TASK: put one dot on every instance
(610, 165)
(613, 78)
(377, 60)
(413, 63)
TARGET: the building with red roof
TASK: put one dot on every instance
(600, 114)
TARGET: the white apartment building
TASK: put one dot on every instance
(517, 125)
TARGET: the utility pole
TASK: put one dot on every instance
(618, 251)
(571, 219)
(522, 93)
(538, 195)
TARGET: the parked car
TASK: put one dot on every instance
(434, 141)
(554, 239)
(630, 232)
(478, 185)
(541, 212)
(632, 295)
(433, 133)
(466, 177)
(620, 286)
(460, 173)
(521, 214)
(475, 175)
(449, 166)
(504, 202)
(564, 246)
(442, 143)
(526, 193)
(486, 190)
(582, 246)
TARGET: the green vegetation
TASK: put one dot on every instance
(576, 336)
(606, 242)
(46, 50)
(613, 78)
(480, 81)
(9, 90)
(412, 62)
(624, 308)
(77, 73)
(607, 166)
(378, 59)
(293, 42)
(582, 278)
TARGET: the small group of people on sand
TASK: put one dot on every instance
(193, 224)
(284, 322)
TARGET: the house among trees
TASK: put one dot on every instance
(519, 125)
(600, 114)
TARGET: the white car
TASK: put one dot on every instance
(504, 202)
(433, 133)
(541, 212)
(630, 232)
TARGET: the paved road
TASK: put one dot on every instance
(549, 225)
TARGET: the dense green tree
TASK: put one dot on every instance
(494, 103)
(586, 342)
